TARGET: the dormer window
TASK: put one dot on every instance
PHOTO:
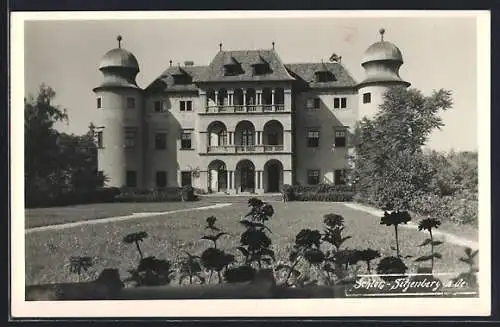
(231, 70)
(261, 67)
(183, 79)
(181, 76)
(325, 76)
(231, 66)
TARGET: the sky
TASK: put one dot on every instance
(438, 53)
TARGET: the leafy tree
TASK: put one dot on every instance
(42, 167)
(56, 163)
(389, 166)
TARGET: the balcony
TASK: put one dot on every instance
(233, 149)
(235, 109)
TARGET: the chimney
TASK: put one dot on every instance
(189, 63)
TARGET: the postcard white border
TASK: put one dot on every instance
(247, 308)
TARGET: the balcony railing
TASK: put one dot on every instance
(245, 148)
(245, 108)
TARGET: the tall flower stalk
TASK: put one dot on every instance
(427, 225)
(395, 218)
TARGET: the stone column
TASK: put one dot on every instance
(216, 98)
(272, 97)
(287, 100)
(258, 98)
(230, 98)
(232, 182)
(244, 97)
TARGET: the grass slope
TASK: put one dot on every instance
(47, 252)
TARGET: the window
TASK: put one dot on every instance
(313, 103)
(247, 137)
(325, 76)
(313, 177)
(340, 138)
(340, 103)
(182, 79)
(131, 178)
(99, 139)
(160, 106)
(232, 70)
(130, 135)
(339, 176)
(186, 105)
(99, 103)
(161, 179)
(185, 178)
(186, 140)
(261, 69)
(222, 138)
(130, 103)
(313, 138)
(367, 97)
(160, 141)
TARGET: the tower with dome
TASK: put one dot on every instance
(381, 62)
(119, 118)
(245, 123)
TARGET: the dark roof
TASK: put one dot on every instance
(165, 82)
(119, 57)
(306, 72)
(246, 58)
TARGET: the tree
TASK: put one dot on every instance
(41, 160)
(389, 163)
(56, 163)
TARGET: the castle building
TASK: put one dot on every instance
(247, 122)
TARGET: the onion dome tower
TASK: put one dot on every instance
(381, 62)
(119, 113)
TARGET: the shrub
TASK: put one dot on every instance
(321, 192)
(188, 193)
(288, 193)
(147, 195)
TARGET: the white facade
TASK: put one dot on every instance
(245, 123)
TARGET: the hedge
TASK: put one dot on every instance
(168, 194)
(322, 192)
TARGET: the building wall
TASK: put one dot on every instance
(173, 160)
(326, 157)
(370, 109)
(114, 159)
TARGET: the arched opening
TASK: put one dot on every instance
(272, 136)
(244, 136)
(245, 176)
(217, 135)
(273, 176)
(217, 176)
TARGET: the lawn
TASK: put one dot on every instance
(47, 252)
(59, 215)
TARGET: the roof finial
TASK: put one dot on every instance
(382, 32)
(119, 39)
(220, 46)
(273, 45)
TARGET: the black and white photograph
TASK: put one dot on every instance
(321, 163)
